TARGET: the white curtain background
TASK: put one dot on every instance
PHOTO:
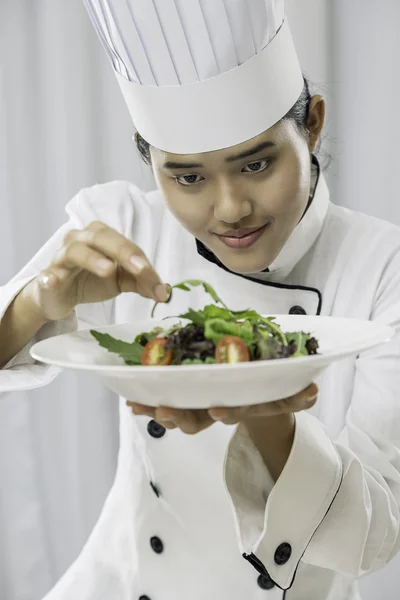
(63, 126)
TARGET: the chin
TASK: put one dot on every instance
(245, 263)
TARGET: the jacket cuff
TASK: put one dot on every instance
(22, 372)
(275, 523)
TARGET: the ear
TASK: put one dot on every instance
(316, 119)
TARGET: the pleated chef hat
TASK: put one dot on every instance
(200, 75)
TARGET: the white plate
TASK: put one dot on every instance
(203, 386)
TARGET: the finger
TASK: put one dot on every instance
(304, 400)
(141, 409)
(115, 246)
(301, 401)
(165, 416)
(49, 278)
(188, 421)
(228, 416)
(78, 255)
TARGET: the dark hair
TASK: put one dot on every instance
(298, 113)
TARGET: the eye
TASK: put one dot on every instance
(189, 179)
(256, 167)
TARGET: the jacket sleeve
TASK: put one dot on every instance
(336, 504)
(22, 372)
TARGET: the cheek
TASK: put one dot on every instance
(289, 189)
(190, 209)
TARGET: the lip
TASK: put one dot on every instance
(242, 238)
(239, 233)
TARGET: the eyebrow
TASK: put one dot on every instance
(186, 165)
(251, 151)
(177, 165)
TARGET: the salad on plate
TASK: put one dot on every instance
(212, 335)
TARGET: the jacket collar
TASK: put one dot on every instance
(299, 242)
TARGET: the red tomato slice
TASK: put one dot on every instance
(231, 349)
(155, 354)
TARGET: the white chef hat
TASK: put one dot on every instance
(200, 75)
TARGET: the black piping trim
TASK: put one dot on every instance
(205, 253)
(259, 566)
(155, 489)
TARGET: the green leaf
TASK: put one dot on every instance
(209, 360)
(189, 283)
(181, 286)
(173, 329)
(130, 352)
(300, 338)
(247, 315)
(196, 316)
(196, 283)
(192, 361)
(148, 335)
(268, 348)
(217, 312)
(216, 329)
(269, 325)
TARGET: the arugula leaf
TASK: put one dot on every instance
(274, 328)
(196, 283)
(186, 285)
(216, 329)
(181, 286)
(131, 353)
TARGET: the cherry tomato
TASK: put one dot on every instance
(155, 354)
(231, 349)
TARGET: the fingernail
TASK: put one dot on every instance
(217, 417)
(161, 292)
(47, 280)
(138, 263)
(311, 399)
(169, 291)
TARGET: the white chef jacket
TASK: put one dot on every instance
(183, 509)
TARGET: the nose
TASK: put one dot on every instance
(232, 204)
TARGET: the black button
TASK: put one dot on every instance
(155, 489)
(265, 582)
(155, 429)
(283, 553)
(144, 598)
(157, 545)
(297, 310)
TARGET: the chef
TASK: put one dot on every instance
(295, 499)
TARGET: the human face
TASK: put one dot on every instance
(242, 202)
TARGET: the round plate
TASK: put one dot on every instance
(203, 386)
